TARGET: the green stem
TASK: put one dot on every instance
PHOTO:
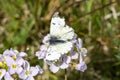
(65, 74)
(36, 13)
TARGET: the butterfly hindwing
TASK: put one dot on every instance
(63, 48)
(52, 54)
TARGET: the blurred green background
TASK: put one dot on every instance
(24, 23)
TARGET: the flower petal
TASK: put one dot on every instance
(64, 66)
(33, 71)
(79, 43)
(67, 59)
(40, 71)
(11, 70)
(8, 76)
(53, 68)
(9, 61)
(8, 52)
(20, 61)
(81, 66)
(22, 54)
(22, 75)
(83, 51)
(74, 55)
(40, 54)
(3, 71)
(26, 65)
(19, 70)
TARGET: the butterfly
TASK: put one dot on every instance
(59, 38)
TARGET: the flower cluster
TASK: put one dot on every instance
(77, 53)
(12, 63)
(61, 48)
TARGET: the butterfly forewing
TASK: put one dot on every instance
(57, 24)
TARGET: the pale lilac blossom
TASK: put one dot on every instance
(81, 50)
(54, 68)
(14, 53)
(42, 53)
(81, 66)
(7, 76)
(73, 54)
(12, 62)
(29, 72)
(46, 39)
(14, 66)
(2, 73)
(40, 70)
(63, 64)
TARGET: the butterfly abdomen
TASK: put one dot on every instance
(54, 41)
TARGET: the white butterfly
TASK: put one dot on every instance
(59, 39)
